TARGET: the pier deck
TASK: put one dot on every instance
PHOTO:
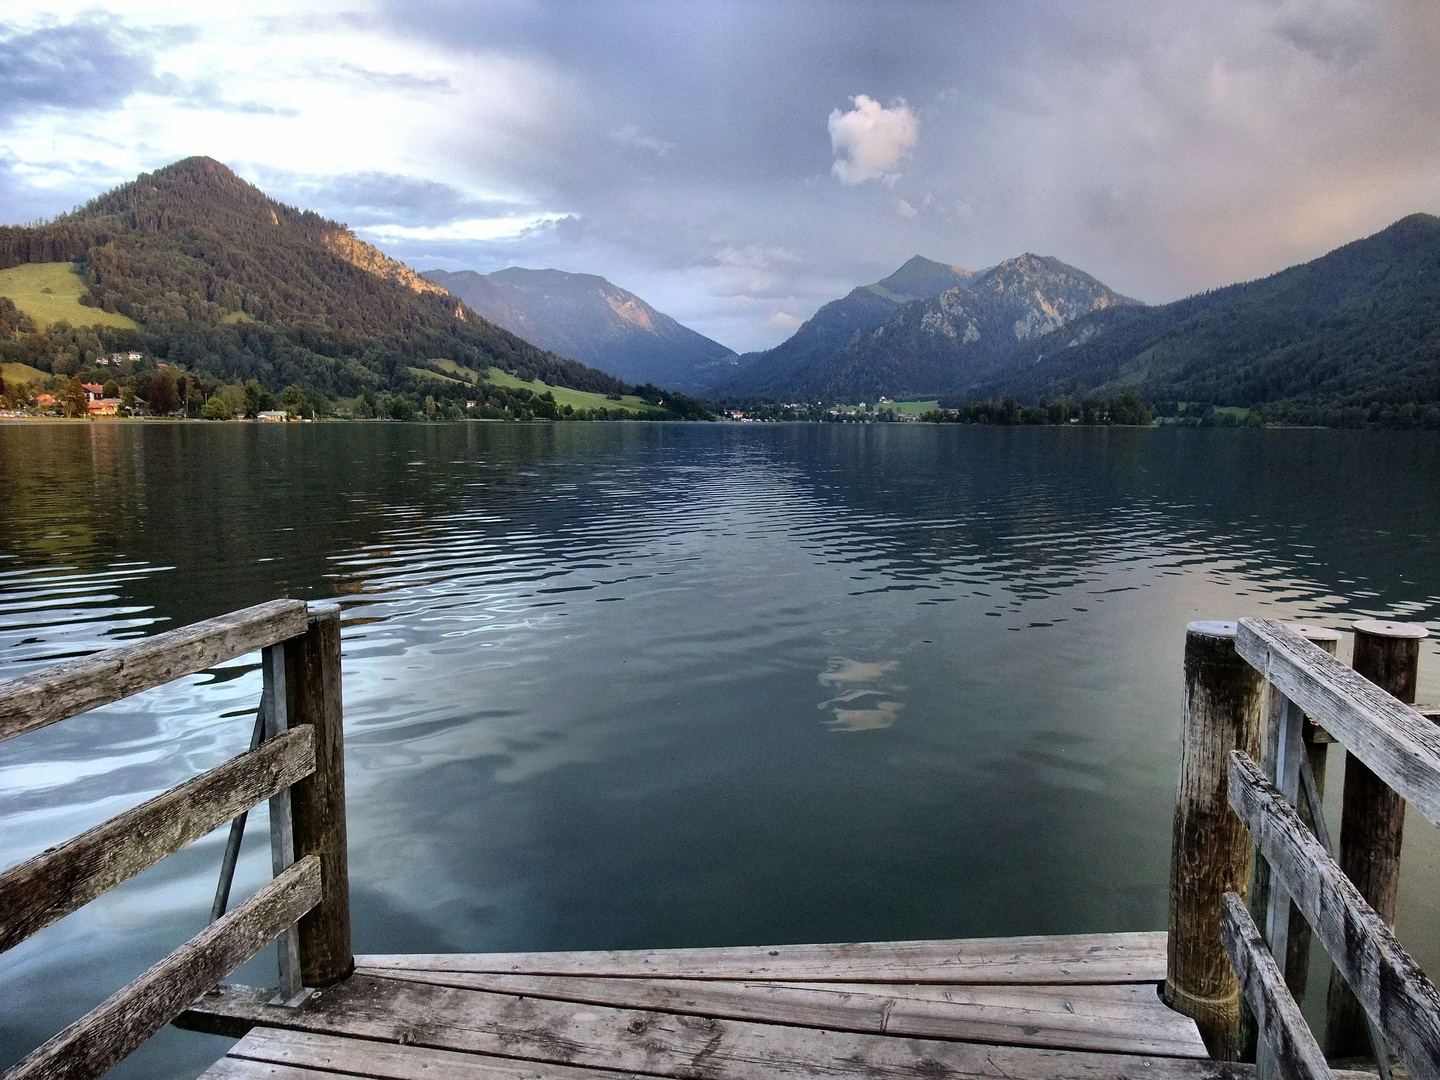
(1081, 1006)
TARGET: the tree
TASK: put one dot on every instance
(76, 402)
(216, 409)
(256, 400)
(162, 396)
(111, 388)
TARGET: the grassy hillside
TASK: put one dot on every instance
(50, 292)
(578, 399)
(23, 373)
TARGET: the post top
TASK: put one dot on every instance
(1388, 629)
(1312, 632)
(1213, 628)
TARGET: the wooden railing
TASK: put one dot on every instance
(1379, 999)
(296, 763)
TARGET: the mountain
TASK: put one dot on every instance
(935, 344)
(1357, 329)
(798, 361)
(235, 285)
(588, 319)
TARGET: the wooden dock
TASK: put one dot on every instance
(1263, 702)
(1082, 1006)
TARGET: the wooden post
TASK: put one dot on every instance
(312, 669)
(1372, 816)
(1211, 853)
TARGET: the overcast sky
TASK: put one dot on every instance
(740, 164)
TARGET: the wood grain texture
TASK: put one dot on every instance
(317, 804)
(336, 1054)
(1075, 958)
(1392, 989)
(1397, 743)
(38, 698)
(1122, 1018)
(1210, 852)
(665, 1044)
(105, 1035)
(1283, 1031)
(1372, 817)
(35, 893)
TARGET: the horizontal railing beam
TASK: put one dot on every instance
(1283, 1030)
(39, 698)
(1397, 996)
(100, 1038)
(1395, 741)
(56, 882)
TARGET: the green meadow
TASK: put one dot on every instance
(50, 293)
(577, 399)
(23, 373)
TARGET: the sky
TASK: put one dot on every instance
(740, 164)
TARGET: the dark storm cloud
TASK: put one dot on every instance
(91, 63)
(1166, 148)
(691, 149)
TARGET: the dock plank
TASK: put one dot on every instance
(1075, 958)
(1120, 1018)
(312, 1055)
(662, 1044)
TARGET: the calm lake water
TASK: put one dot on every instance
(626, 685)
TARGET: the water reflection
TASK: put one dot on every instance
(581, 667)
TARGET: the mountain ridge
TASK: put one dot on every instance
(1355, 328)
(924, 345)
(588, 318)
(231, 283)
(792, 363)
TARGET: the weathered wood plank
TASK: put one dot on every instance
(1397, 743)
(1283, 1031)
(664, 1044)
(100, 1038)
(1392, 989)
(1077, 958)
(312, 681)
(1124, 1018)
(35, 893)
(38, 698)
(313, 1055)
(229, 1068)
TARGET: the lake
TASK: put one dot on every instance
(624, 685)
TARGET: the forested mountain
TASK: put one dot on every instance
(800, 361)
(589, 319)
(942, 343)
(1353, 335)
(234, 285)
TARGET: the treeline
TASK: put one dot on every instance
(1125, 409)
(158, 388)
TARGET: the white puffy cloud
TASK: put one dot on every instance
(870, 138)
(783, 322)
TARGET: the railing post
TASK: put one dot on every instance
(1317, 743)
(312, 668)
(1372, 816)
(1211, 853)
